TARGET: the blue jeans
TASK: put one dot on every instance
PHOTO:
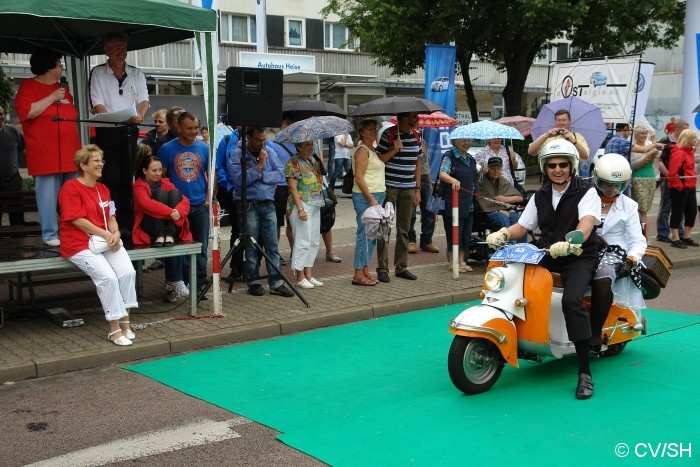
(663, 225)
(341, 166)
(199, 226)
(46, 191)
(364, 247)
(427, 218)
(262, 224)
(497, 220)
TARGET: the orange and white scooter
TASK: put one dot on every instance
(520, 317)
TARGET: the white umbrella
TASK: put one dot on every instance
(378, 221)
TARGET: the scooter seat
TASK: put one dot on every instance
(556, 280)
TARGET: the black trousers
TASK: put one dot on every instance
(162, 227)
(13, 183)
(576, 274)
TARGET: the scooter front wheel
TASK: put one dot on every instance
(474, 364)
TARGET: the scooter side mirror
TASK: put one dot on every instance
(575, 236)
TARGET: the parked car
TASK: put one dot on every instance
(598, 79)
(441, 83)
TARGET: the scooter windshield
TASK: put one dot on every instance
(519, 253)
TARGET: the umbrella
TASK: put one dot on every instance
(76, 27)
(433, 120)
(305, 108)
(378, 221)
(395, 105)
(585, 119)
(485, 129)
(696, 109)
(522, 124)
(314, 128)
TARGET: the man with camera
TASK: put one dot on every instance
(562, 120)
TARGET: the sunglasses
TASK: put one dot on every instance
(554, 165)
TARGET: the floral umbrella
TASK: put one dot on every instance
(434, 120)
(522, 124)
(314, 128)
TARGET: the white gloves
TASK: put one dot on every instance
(564, 249)
(498, 237)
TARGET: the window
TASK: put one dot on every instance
(498, 107)
(238, 28)
(337, 36)
(544, 56)
(295, 33)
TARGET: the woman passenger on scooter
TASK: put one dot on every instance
(622, 231)
(565, 203)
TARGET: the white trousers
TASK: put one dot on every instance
(115, 279)
(307, 237)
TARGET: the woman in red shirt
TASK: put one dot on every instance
(160, 218)
(50, 143)
(87, 210)
(682, 190)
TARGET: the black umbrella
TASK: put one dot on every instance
(395, 105)
(306, 108)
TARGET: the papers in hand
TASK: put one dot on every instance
(109, 118)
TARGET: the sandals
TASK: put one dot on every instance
(128, 333)
(122, 341)
(169, 241)
(371, 278)
(463, 267)
(363, 281)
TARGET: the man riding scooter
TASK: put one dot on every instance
(565, 203)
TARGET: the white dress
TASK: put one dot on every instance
(621, 226)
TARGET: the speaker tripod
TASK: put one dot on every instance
(244, 238)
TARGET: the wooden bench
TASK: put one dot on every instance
(37, 257)
(18, 201)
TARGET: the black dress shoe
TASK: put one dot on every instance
(406, 274)
(383, 276)
(584, 390)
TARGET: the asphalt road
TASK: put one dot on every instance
(100, 416)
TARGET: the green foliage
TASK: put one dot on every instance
(510, 33)
(28, 184)
(5, 91)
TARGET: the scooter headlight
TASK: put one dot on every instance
(495, 280)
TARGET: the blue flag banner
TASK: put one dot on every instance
(439, 88)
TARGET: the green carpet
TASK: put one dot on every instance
(378, 393)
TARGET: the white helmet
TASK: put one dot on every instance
(614, 170)
(559, 148)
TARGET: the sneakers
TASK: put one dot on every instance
(176, 290)
(663, 239)
(54, 242)
(305, 284)
(333, 258)
(316, 282)
(281, 290)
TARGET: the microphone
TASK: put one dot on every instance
(64, 82)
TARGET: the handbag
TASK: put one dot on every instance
(97, 244)
(348, 182)
(436, 202)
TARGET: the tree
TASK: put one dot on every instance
(5, 92)
(509, 33)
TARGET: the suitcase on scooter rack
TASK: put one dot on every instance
(657, 264)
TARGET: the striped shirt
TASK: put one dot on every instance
(401, 169)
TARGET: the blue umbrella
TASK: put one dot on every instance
(586, 119)
(485, 129)
(314, 128)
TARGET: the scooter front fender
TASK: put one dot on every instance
(487, 322)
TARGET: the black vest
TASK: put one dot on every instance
(467, 177)
(555, 224)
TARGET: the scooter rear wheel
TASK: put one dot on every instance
(474, 364)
